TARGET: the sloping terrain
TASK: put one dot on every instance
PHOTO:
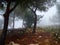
(41, 38)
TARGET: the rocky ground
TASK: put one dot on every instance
(39, 38)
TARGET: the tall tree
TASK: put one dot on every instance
(35, 18)
(13, 20)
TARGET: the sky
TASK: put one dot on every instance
(58, 0)
(45, 21)
(47, 15)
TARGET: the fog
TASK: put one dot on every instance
(51, 17)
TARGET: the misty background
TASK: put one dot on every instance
(50, 17)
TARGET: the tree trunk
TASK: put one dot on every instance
(5, 28)
(35, 23)
(13, 20)
(4, 32)
(6, 19)
(35, 19)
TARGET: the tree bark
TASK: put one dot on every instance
(4, 33)
(35, 23)
(6, 19)
(35, 19)
(5, 28)
(13, 20)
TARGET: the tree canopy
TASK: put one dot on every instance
(40, 4)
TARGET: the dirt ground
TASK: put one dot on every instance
(40, 38)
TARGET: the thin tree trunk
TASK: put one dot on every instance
(13, 20)
(35, 19)
(35, 23)
(23, 23)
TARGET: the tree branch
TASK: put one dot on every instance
(35, 9)
(32, 9)
(7, 8)
(14, 7)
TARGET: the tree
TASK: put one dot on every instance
(13, 20)
(22, 3)
(39, 6)
(1, 23)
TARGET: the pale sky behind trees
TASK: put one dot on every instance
(45, 21)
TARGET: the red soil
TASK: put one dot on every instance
(42, 38)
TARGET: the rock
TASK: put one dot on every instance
(34, 44)
(12, 43)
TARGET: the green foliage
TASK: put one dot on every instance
(32, 3)
(29, 19)
(40, 4)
